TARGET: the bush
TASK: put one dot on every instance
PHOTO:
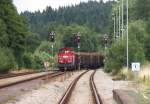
(138, 48)
(7, 60)
(33, 61)
(37, 63)
(116, 55)
(28, 60)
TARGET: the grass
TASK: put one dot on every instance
(144, 80)
(144, 75)
(124, 74)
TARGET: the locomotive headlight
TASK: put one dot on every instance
(65, 56)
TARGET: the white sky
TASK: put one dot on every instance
(34, 5)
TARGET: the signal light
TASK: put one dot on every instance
(78, 38)
(52, 36)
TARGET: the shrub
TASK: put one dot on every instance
(28, 60)
(7, 60)
(144, 74)
(116, 55)
(37, 60)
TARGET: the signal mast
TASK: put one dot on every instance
(52, 40)
(78, 39)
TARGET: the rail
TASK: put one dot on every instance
(97, 98)
(50, 75)
(66, 96)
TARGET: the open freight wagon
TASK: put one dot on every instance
(70, 60)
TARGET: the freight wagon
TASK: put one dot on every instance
(70, 60)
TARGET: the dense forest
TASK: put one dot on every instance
(92, 14)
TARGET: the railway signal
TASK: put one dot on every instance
(52, 39)
(78, 40)
(105, 41)
(52, 36)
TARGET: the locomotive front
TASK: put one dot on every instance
(66, 59)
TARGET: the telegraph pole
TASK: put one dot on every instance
(114, 20)
(117, 26)
(114, 27)
(122, 29)
(127, 35)
(119, 21)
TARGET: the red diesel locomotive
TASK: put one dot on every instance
(70, 60)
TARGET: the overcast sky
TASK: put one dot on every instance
(34, 5)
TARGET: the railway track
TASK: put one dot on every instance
(96, 96)
(67, 94)
(9, 75)
(24, 79)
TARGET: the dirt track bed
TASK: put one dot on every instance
(49, 93)
(8, 81)
(106, 85)
(82, 92)
(7, 93)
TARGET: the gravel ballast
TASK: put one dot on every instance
(82, 92)
(49, 93)
(106, 85)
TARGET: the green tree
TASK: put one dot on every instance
(32, 42)
(116, 55)
(142, 9)
(87, 37)
(16, 29)
(3, 34)
(7, 60)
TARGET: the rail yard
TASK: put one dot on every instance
(82, 87)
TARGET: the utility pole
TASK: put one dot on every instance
(117, 27)
(114, 18)
(127, 35)
(122, 29)
(114, 24)
(119, 21)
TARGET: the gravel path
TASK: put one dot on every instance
(49, 93)
(105, 86)
(82, 92)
